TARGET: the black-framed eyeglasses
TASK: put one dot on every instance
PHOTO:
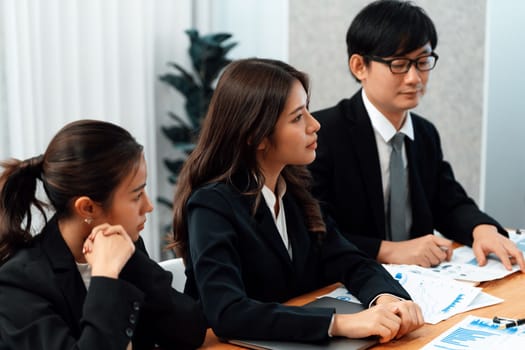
(402, 65)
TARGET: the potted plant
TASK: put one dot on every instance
(208, 58)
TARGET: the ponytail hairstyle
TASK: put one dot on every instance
(18, 183)
(249, 98)
(85, 158)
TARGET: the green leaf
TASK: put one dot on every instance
(165, 202)
(180, 69)
(179, 120)
(177, 134)
(208, 55)
(216, 38)
(211, 70)
(180, 83)
(192, 34)
(208, 58)
(172, 179)
(227, 48)
(174, 165)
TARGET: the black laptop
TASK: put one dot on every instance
(337, 343)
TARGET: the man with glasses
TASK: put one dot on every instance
(380, 171)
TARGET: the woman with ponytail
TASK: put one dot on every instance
(85, 281)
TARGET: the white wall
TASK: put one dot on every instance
(504, 166)
(260, 27)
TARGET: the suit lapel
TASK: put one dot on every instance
(267, 230)
(297, 233)
(67, 277)
(364, 144)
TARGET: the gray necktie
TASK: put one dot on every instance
(398, 190)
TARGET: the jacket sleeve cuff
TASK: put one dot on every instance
(373, 302)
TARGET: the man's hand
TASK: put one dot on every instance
(487, 240)
(426, 251)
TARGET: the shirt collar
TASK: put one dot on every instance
(270, 197)
(382, 125)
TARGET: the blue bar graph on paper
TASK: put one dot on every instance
(478, 333)
(493, 326)
(454, 303)
(463, 336)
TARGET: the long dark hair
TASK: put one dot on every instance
(85, 158)
(250, 96)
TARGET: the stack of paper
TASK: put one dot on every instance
(439, 291)
(439, 297)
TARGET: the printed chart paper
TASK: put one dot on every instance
(480, 334)
(439, 297)
(464, 266)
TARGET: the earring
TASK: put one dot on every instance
(88, 220)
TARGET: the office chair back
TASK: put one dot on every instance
(176, 267)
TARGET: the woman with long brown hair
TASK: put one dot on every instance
(251, 233)
(86, 281)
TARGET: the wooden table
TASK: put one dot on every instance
(510, 288)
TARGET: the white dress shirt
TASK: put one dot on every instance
(279, 218)
(384, 131)
(85, 272)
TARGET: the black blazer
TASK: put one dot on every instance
(44, 303)
(347, 180)
(241, 271)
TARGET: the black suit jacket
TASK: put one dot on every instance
(240, 269)
(44, 303)
(347, 180)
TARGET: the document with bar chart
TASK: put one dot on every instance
(464, 265)
(439, 297)
(478, 333)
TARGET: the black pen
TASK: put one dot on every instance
(505, 323)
